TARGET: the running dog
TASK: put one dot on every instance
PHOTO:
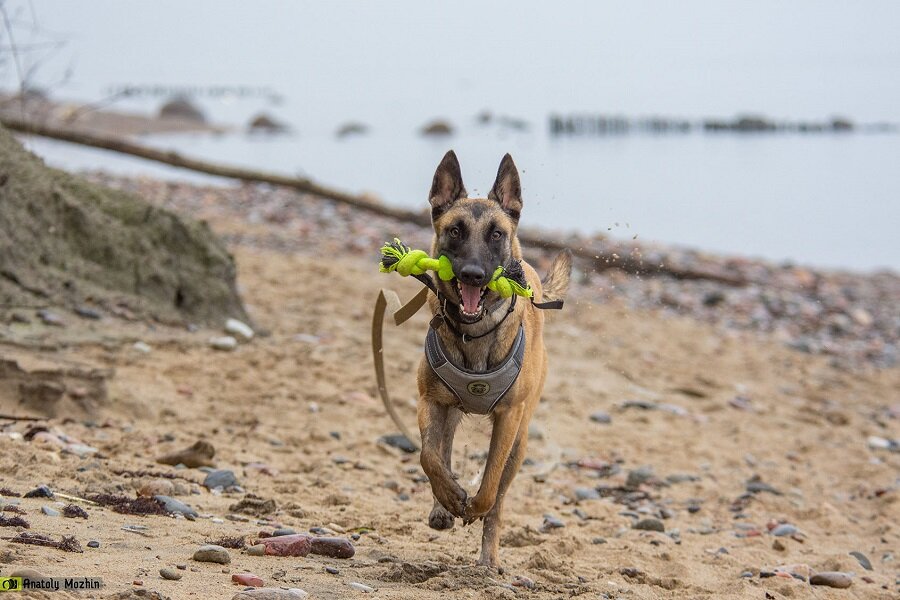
(484, 353)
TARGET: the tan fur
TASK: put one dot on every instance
(438, 414)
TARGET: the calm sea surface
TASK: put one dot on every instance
(823, 199)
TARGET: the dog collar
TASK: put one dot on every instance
(478, 393)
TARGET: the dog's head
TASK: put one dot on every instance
(476, 234)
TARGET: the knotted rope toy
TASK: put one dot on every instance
(397, 256)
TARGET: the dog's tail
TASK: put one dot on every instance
(556, 283)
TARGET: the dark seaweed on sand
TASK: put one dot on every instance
(235, 543)
(9, 493)
(74, 511)
(66, 543)
(13, 509)
(130, 506)
(14, 522)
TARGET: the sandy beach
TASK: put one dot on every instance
(747, 461)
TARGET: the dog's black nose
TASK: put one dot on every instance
(473, 275)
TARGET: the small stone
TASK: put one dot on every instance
(221, 478)
(777, 545)
(257, 550)
(198, 455)
(361, 587)
(523, 582)
(225, 343)
(40, 492)
(598, 540)
(49, 511)
(170, 574)
(239, 328)
(746, 574)
(50, 318)
(834, 579)
(173, 505)
(287, 545)
(400, 441)
(755, 485)
(212, 553)
(332, 571)
(551, 522)
(637, 477)
(784, 529)
(585, 493)
(248, 579)
(181, 567)
(157, 487)
(87, 313)
(863, 560)
(138, 582)
(141, 347)
(601, 417)
(93, 544)
(271, 594)
(650, 525)
(332, 547)
(283, 531)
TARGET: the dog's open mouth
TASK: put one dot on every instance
(471, 300)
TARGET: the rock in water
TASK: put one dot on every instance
(333, 547)
(212, 553)
(834, 579)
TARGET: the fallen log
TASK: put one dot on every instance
(599, 260)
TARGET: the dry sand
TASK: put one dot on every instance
(302, 401)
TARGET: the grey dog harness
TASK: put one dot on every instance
(478, 393)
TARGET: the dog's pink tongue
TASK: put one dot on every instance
(471, 295)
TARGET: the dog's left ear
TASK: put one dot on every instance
(507, 190)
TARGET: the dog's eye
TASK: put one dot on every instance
(454, 232)
(497, 235)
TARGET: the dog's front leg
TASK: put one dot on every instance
(503, 435)
(434, 421)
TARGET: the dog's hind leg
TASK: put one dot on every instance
(437, 423)
(490, 535)
(440, 518)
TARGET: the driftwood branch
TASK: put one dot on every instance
(599, 260)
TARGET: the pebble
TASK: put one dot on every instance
(639, 476)
(585, 493)
(747, 574)
(523, 582)
(248, 579)
(176, 506)
(834, 579)
(49, 511)
(88, 313)
(598, 540)
(198, 455)
(50, 318)
(271, 594)
(212, 553)
(170, 574)
(756, 485)
(551, 522)
(784, 529)
(225, 342)
(220, 478)
(650, 525)
(361, 587)
(93, 544)
(601, 417)
(333, 547)
(287, 545)
(157, 487)
(142, 347)
(257, 550)
(332, 571)
(41, 491)
(283, 531)
(239, 328)
(880, 443)
(400, 441)
(863, 560)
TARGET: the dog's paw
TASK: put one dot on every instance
(476, 508)
(440, 518)
(454, 500)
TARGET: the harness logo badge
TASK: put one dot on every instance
(479, 388)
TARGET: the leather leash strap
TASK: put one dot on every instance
(388, 301)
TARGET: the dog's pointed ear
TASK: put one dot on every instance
(447, 186)
(507, 190)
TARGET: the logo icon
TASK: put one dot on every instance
(479, 388)
(10, 584)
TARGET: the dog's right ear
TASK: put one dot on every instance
(447, 186)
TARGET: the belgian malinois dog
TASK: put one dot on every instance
(479, 333)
